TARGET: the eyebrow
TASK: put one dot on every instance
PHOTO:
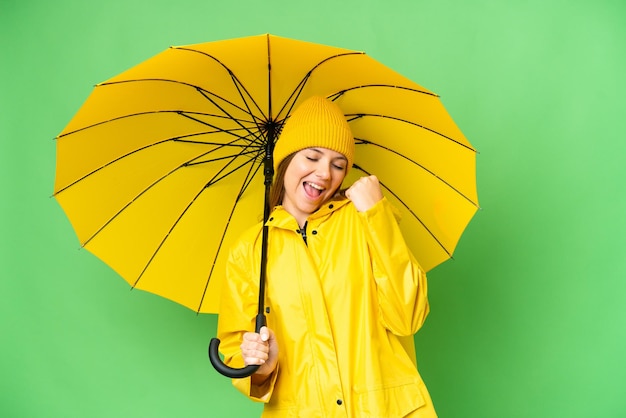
(319, 151)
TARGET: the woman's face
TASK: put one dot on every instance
(312, 177)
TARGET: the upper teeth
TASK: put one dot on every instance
(315, 186)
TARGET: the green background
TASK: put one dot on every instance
(529, 320)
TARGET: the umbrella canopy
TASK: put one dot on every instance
(161, 169)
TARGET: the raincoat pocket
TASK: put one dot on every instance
(392, 399)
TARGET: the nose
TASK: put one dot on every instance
(322, 171)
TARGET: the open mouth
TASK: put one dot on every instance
(313, 190)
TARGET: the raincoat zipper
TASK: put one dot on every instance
(302, 232)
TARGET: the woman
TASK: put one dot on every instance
(344, 294)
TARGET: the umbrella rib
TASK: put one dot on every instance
(269, 78)
(142, 193)
(199, 89)
(352, 117)
(253, 147)
(335, 96)
(291, 100)
(176, 222)
(410, 211)
(228, 131)
(212, 160)
(215, 178)
(158, 248)
(293, 97)
(366, 142)
(173, 139)
(117, 118)
(246, 183)
(298, 89)
(156, 251)
(228, 115)
(235, 79)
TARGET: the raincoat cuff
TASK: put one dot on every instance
(383, 205)
(258, 393)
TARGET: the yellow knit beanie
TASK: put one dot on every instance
(317, 122)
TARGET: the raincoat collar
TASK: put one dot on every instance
(280, 218)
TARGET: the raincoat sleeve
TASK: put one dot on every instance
(238, 309)
(401, 284)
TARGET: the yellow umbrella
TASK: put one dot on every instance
(163, 166)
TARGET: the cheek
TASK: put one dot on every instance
(339, 177)
(292, 178)
(295, 169)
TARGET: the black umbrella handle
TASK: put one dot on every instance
(225, 370)
(228, 371)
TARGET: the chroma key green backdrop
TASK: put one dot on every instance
(529, 320)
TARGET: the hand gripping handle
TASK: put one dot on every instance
(218, 364)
